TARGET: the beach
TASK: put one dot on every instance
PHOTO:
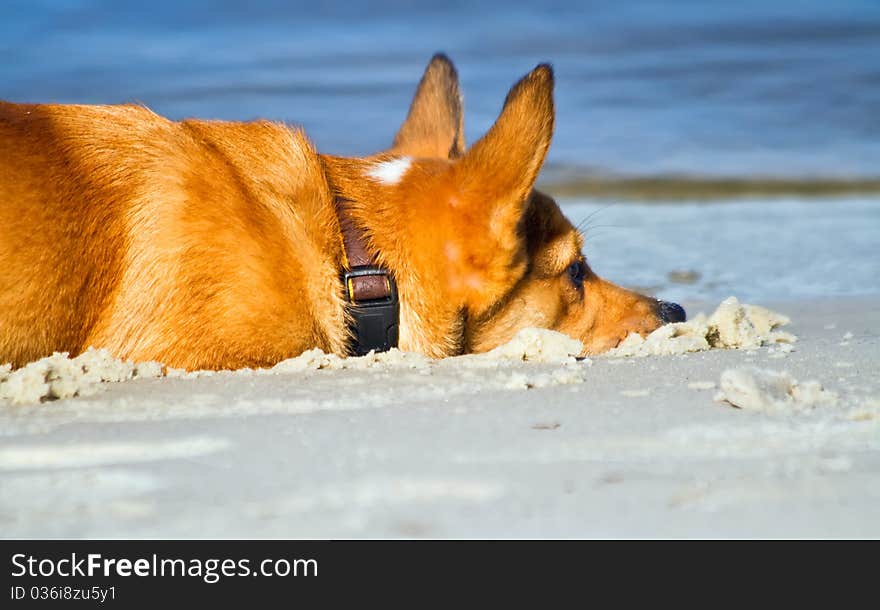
(635, 447)
(703, 150)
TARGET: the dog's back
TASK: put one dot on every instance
(121, 229)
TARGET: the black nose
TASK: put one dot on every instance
(671, 312)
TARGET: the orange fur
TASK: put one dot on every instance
(207, 244)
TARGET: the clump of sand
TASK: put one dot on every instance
(537, 345)
(59, 376)
(733, 325)
(316, 359)
(755, 389)
(532, 345)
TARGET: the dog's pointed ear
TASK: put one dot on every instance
(501, 168)
(434, 126)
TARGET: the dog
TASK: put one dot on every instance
(221, 245)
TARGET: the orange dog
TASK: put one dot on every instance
(206, 244)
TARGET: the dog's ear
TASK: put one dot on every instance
(500, 169)
(434, 126)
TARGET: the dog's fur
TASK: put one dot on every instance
(207, 244)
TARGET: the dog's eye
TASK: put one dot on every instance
(577, 272)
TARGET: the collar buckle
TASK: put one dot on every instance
(374, 320)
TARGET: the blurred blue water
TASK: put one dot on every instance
(743, 88)
(751, 88)
(757, 250)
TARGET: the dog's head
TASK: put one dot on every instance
(477, 252)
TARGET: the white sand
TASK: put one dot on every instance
(59, 376)
(524, 442)
(731, 326)
(765, 390)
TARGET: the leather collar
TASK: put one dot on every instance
(370, 290)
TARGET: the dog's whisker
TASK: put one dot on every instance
(603, 230)
(593, 214)
(591, 229)
(593, 237)
(585, 225)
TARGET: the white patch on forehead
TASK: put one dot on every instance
(390, 172)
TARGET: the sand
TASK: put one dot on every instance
(731, 326)
(528, 441)
(59, 376)
(767, 390)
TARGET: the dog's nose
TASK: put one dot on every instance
(671, 312)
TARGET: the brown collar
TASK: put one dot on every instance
(369, 289)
